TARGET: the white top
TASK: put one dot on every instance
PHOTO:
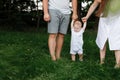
(77, 40)
(61, 5)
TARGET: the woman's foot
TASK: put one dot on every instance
(73, 60)
(117, 66)
(102, 61)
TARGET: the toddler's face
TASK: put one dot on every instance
(77, 26)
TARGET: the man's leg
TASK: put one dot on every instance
(59, 44)
(51, 45)
(102, 54)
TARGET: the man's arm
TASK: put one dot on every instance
(45, 10)
(74, 6)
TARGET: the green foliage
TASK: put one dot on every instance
(114, 6)
(25, 56)
(12, 11)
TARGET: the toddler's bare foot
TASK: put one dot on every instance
(80, 59)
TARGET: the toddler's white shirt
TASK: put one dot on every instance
(76, 42)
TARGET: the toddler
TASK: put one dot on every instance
(77, 39)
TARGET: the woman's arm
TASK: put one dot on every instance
(84, 25)
(91, 10)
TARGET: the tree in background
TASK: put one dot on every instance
(24, 13)
(39, 12)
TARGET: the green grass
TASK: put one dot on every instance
(25, 56)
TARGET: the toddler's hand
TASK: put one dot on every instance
(84, 19)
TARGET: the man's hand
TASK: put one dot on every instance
(74, 16)
(47, 17)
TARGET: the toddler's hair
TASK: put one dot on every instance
(77, 21)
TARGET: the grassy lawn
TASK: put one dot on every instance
(25, 56)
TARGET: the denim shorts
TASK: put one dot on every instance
(58, 22)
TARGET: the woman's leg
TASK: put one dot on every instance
(102, 54)
(117, 56)
(51, 45)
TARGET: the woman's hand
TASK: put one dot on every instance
(84, 19)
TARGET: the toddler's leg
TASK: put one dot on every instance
(81, 57)
(73, 57)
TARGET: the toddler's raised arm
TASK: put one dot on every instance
(84, 25)
(72, 22)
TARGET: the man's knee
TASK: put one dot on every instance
(52, 35)
(61, 35)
